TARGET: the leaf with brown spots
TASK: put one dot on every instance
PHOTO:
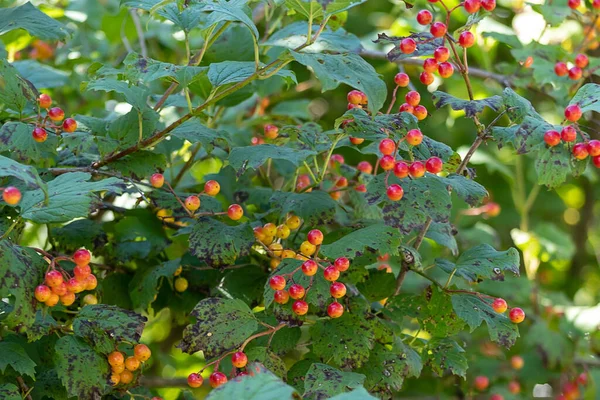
(314, 208)
(322, 381)
(8, 391)
(445, 354)
(25, 173)
(483, 262)
(16, 139)
(470, 107)
(374, 238)
(267, 358)
(361, 125)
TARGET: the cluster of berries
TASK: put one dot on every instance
(239, 360)
(60, 286)
(310, 268)
(11, 195)
(55, 115)
(576, 71)
(574, 4)
(181, 284)
(516, 315)
(122, 368)
(270, 131)
(412, 98)
(271, 235)
(570, 389)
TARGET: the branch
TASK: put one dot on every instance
(140, 32)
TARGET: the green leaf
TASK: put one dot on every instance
(443, 234)
(29, 18)
(140, 164)
(554, 14)
(483, 262)
(70, 196)
(351, 69)
(40, 75)
(471, 108)
(242, 158)
(333, 7)
(378, 285)
(267, 358)
(231, 10)
(294, 35)
(587, 97)
(196, 132)
(218, 244)
(314, 208)
(377, 239)
(445, 354)
(81, 370)
(552, 165)
(322, 381)
(147, 70)
(260, 384)
(139, 235)
(510, 40)
(221, 325)
(16, 139)
(14, 355)
(554, 343)
(474, 311)
(467, 189)
(228, 72)
(518, 107)
(25, 173)
(147, 281)
(106, 326)
(134, 95)
(359, 393)
(8, 391)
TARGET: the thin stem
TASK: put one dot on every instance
(10, 228)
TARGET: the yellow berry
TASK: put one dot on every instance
(181, 284)
(275, 262)
(276, 249)
(288, 254)
(178, 271)
(142, 352)
(132, 363)
(307, 248)
(283, 231)
(270, 229)
(293, 222)
(126, 377)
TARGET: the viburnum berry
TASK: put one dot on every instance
(568, 133)
(496, 396)
(596, 4)
(414, 137)
(271, 131)
(516, 315)
(401, 79)
(126, 377)
(408, 45)
(181, 284)
(11, 195)
(270, 229)
(413, 98)
(582, 379)
(283, 231)
(552, 138)
(387, 147)
(405, 107)
(341, 182)
(89, 299)
(386, 162)
(424, 17)
(45, 101)
(356, 141)
(296, 291)
(434, 165)
(365, 167)
(341, 264)
(116, 358)
(337, 290)
(481, 382)
(351, 106)
(235, 212)
(277, 282)
(115, 378)
(528, 62)
(395, 192)
(580, 151)
(52, 301)
(416, 169)
(430, 65)
(132, 364)
(212, 188)
(39, 135)
(241, 374)
(54, 278)
(357, 97)
(445, 69)
(420, 112)
(67, 299)
(331, 273)
(300, 307)
(276, 249)
(581, 60)
(74, 285)
(573, 112)
(62, 289)
(499, 305)
(118, 368)
(239, 359)
(561, 69)
(573, 4)
(361, 188)
(281, 296)
(593, 147)
(309, 267)
(488, 5)
(56, 114)
(69, 125)
(426, 78)
(307, 248)
(472, 6)
(575, 73)
(42, 293)
(192, 202)
(466, 39)
(335, 310)
(441, 54)
(255, 141)
(438, 29)
(315, 237)
(514, 387)
(157, 180)
(91, 282)
(142, 352)
(336, 159)
(217, 379)
(401, 169)
(293, 222)
(517, 362)
(82, 257)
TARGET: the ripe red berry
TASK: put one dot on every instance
(593, 147)
(217, 379)
(54, 278)
(255, 141)
(81, 272)
(365, 167)
(157, 180)
(271, 131)
(386, 163)
(296, 291)
(408, 45)
(212, 188)
(438, 29)
(82, 257)
(405, 107)
(395, 192)
(573, 4)
(335, 310)
(416, 169)
(420, 112)
(63, 288)
(413, 98)
(387, 147)
(582, 379)
(300, 307)
(67, 299)
(69, 125)
(596, 4)
(401, 169)
(414, 137)
(568, 133)
(517, 362)
(56, 114)
(356, 141)
(235, 212)
(580, 151)
(596, 161)
(466, 39)
(441, 54)
(39, 135)
(514, 387)
(516, 315)
(277, 282)
(239, 359)
(434, 165)
(528, 62)
(281, 296)
(581, 60)
(552, 138)
(573, 113)
(192, 203)
(361, 188)
(496, 396)
(315, 237)
(426, 78)
(561, 69)
(11, 195)
(424, 17)
(337, 290)
(341, 264)
(499, 305)
(309, 267)
(575, 73)
(446, 69)
(331, 273)
(401, 79)
(430, 65)
(472, 6)
(481, 382)
(42, 293)
(357, 97)
(45, 101)
(488, 5)
(91, 282)
(336, 159)
(76, 286)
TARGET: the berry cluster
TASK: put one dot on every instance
(55, 115)
(11, 195)
(59, 286)
(271, 235)
(239, 360)
(576, 71)
(123, 367)
(412, 98)
(570, 389)
(516, 315)
(270, 131)
(181, 284)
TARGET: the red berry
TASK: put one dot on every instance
(271, 131)
(496, 397)
(434, 165)
(281, 296)
(438, 29)
(331, 273)
(217, 379)
(39, 135)
(561, 69)
(424, 17)
(405, 107)
(82, 257)
(277, 282)
(76, 286)
(568, 133)
(54, 278)
(401, 79)
(157, 180)
(63, 288)
(335, 310)
(235, 212)
(91, 282)
(408, 45)
(596, 161)
(351, 106)
(315, 237)
(426, 78)
(596, 4)
(517, 362)
(528, 62)
(255, 141)
(56, 114)
(395, 192)
(401, 169)
(441, 54)
(336, 159)
(430, 65)
(45, 101)
(81, 272)
(481, 382)
(356, 141)
(387, 147)
(416, 169)
(581, 60)
(300, 307)
(472, 6)
(365, 167)
(414, 137)
(361, 188)
(356, 97)
(69, 125)
(445, 69)
(341, 264)
(593, 148)
(575, 73)
(514, 387)
(488, 5)
(42, 293)
(420, 112)
(499, 305)
(386, 163)
(516, 315)
(573, 4)
(212, 188)
(413, 98)
(582, 379)
(466, 39)
(580, 151)
(552, 138)
(309, 267)
(192, 203)
(296, 291)
(11, 195)
(239, 359)
(573, 113)
(337, 290)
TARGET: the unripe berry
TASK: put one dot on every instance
(181, 284)
(481, 382)
(82, 257)
(573, 4)
(192, 203)
(39, 135)
(568, 133)
(90, 282)
(300, 307)
(441, 54)
(11, 195)
(581, 60)
(365, 167)
(426, 78)
(239, 359)
(52, 301)
(42, 293)
(472, 6)
(414, 137)
(528, 62)
(573, 112)
(488, 5)
(212, 188)
(580, 151)
(309, 268)
(516, 315)
(331, 273)
(408, 45)
(296, 291)
(270, 229)
(405, 107)
(235, 212)
(575, 73)
(337, 290)
(126, 377)
(424, 17)
(517, 362)
(45, 101)
(593, 148)
(115, 379)
(281, 296)
(420, 112)
(341, 264)
(386, 163)
(271, 131)
(307, 248)
(561, 69)
(401, 169)
(438, 29)
(277, 282)
(430, 65)
(283, 231)
(395, 192)
(118, 368)
(56, 114)
(499, 305)
(356, 97)
(401, 79)
(315, 237)
(416, 169)
(157, 180)
(434, 165)
(413, 98)
(194, 380)
(356, 141)
(89, 299)
(255, 141)
(132, 364)
(61, 289)
(335, 310)
(54, 278)
(69, 125)
(293, 222)
(387, 147)
(116, 358)
(552, 138)
(466, 39)
(446, 69)
(75, 286)
(288, 253)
